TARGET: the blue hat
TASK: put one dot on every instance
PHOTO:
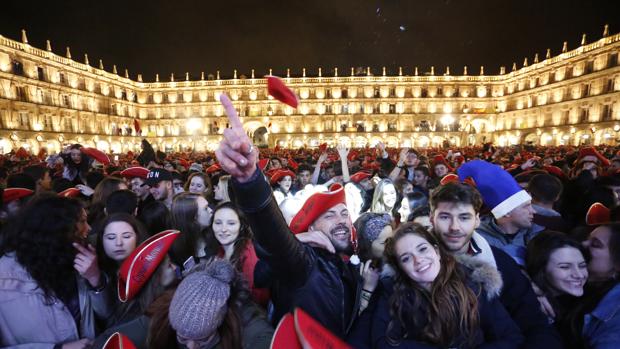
(498, 188)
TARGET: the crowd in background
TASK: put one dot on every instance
(471, 247)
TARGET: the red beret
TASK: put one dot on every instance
(279, 174)
(313, 335)
(70, 192)
(278, 90)
(12, 194)
(96, 154)
(439, 159)
(315, 206)
(142, 263)
(214, 168)
(556, 171)
(598, 214)
(118, 341)
(450, 177)
(136, 171)
(322, 147)
(293, 164)
(359, 176)
(590, 151)
(285, 335)
(262, 163)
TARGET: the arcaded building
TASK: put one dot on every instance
(564, 97)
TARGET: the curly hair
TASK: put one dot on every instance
(448, 311)
(41, 238)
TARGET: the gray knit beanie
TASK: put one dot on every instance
(198, 306)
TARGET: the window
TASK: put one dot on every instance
(18, 68)
(23, 119)
(63, 78)
(392, 108)
(41, 73)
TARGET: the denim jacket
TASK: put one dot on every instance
(601, 328)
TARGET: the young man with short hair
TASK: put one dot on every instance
(455, 214)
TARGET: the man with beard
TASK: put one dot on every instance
(160, 183)
(320, 282)
(455, 209)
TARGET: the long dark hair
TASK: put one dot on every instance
(184, 215)
(539, 250)
(41, 238)
(448, 311)
(107, 264)
(244, 238)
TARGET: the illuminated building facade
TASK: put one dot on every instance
(47, 100)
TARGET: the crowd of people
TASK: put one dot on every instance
(471, 247)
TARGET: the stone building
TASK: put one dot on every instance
(49, 100)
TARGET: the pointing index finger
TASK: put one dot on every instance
(233, 117)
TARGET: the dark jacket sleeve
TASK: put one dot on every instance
(500, 331)
(521, 303)
(288, 257)
(380, 321)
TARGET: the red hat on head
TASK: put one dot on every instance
(556, 171)
(279, 174)
(262, 163)
(598, 214)
(214, 168)
(142, 263)
(12, 194)
(96, 154)
(590, 151)
(352, 155)
(118, 341)
(359, 176)
(313, 335)
(450, 177)
(322, 147)
(136, 171)
(70, 193)
(278, 90)
(439, 159)
(293, 164)
(315, 206)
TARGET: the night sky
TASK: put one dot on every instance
(178, 36)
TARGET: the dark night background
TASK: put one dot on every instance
(166, 37)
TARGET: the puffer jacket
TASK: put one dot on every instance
(26, 321)
(319, 282)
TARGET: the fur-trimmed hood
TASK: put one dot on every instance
(484, 274)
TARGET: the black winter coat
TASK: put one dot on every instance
(319, 282)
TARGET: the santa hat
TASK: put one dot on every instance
(278, 90)
(136, 171)
(598, 214)
(498, 188)
(279, 174)
(360, 176)
(70, 193)
(118, 341)
(96, 154)
(590, 151)
(142, 263)
(12, 194)
(315, 206)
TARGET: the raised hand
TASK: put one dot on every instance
(343, 151)
(85, 263)
(236, 154)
